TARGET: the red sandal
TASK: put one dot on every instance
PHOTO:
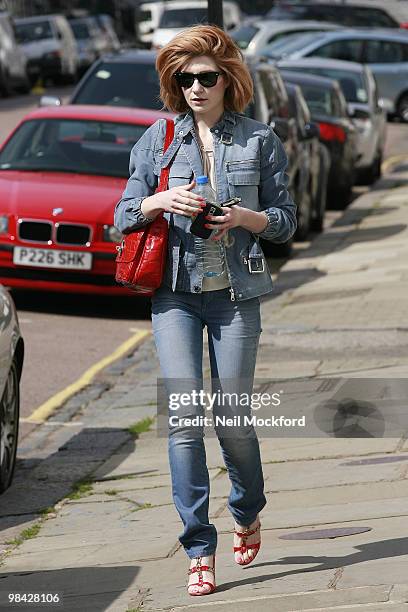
(199, 569)
(244, 546)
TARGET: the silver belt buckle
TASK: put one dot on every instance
(256, 265)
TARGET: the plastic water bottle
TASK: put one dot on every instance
(209, 253)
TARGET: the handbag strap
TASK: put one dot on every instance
(164, 174)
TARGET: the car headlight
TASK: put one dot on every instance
(111, 234)
(3, 224)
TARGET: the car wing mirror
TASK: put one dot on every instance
(281, 127)
(312, 130)
(357, 113)
(50, 101)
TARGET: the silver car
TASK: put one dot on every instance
(11, 366)
(253, 34)
(50, 47)
(384, 51)
(13, 62)
(360, 91)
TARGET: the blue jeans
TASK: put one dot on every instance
(233, 335)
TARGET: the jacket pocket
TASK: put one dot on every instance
(180, 174)
(243, 178)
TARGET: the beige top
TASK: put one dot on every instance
(215, 282)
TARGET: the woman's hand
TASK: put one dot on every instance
(235, 216)
(232, 217)
(177, 200)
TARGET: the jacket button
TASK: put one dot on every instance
(196, 288)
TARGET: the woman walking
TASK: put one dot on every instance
(203, 78)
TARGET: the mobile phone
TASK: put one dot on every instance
(211, 208)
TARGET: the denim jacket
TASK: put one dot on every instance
(250, 163)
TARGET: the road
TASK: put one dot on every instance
(67, 334)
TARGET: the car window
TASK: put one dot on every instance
(290, 43)
(243, 35)
(180, 18)
(385, 51)
(304, 109)
(118, 84)
(281, 35)
(319, 101)
(271, 92)
(30, 32)
(80, 29)
(258, 109)
(145, 15)
(352, 16)
(65, 145)
(352, 84)
(347, 50)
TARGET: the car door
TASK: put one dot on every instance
(388, 61)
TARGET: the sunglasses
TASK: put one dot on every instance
(206, 79)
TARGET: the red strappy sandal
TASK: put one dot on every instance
(244, 546)
(199, 569)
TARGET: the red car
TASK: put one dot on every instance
(62, 170)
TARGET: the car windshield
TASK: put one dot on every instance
(290, 43)
(74, 146)
(121, 84)
(30, 32)
(320, 101)
(180, 18)
(243, 35)
(351, 83)
(80, 29)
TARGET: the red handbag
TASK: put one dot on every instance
(141, 257)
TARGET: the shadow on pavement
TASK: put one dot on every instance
(79, 305)
(82, 588)
(39, 483)
(382, 549)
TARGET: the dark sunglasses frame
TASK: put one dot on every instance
(208, 78)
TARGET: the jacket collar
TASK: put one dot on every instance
(184, 123)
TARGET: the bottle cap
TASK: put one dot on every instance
(202, 180)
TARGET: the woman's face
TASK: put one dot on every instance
(204, 100)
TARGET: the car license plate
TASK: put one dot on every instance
(51, 258)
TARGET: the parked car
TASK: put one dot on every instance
(351, 13)
(177, 15)
(90, 39)
(254, 33)
(50, 46)
(11, 367)
(328, 108)
(115, 79)
(62, 170)
(13, 62)
(106, 24)
(384, 51)
(271, 106)
(149, 17)
(360, 91)
(314, 156)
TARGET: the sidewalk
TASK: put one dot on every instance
(339, 310)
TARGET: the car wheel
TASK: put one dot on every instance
(373, 172)
(304, 214)
(9, 416)
(277, 250)
(5, 88)
(340, 199)
(402, 108)
(24, 87)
